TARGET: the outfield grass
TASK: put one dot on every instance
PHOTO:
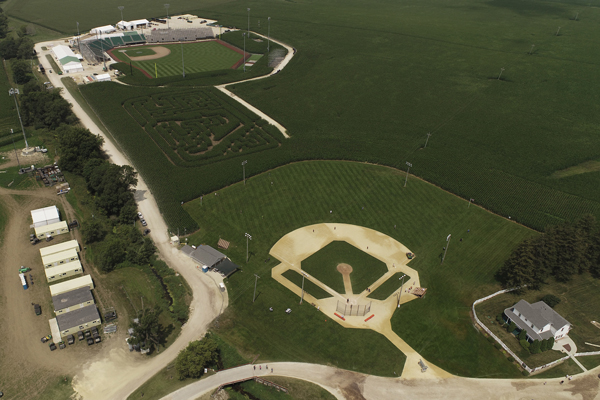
(366, 269)
(309, 287)
(198, 57)
(387, 288)
(304, 193)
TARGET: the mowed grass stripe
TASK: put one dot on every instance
(197, 57)
(302, 194)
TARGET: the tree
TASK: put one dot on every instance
(93, 231)
(78, 148)
(25, 48)
(550, 343)
(551, 300)
(522, 335)
(3, 24)
(110, 254)
(46, 109)
(148, 332)
(535, 347)
(544, 345)
(128, 212)
(511, 327)
(21, 71)
(524, 344)
(191, 361)
(32, 86)
(8, 47)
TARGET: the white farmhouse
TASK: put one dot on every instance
(539, 320)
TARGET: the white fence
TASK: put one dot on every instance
(505, 347)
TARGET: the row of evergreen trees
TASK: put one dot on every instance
(561, 252)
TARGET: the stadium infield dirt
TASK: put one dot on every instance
(159, 52)
(297, 245)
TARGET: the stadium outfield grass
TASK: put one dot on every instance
(419, 216)
(197, 57)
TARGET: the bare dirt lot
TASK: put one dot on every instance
(23, 358)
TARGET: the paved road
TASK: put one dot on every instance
(355, 386)
(119, 374)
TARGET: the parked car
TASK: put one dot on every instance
(35, 241)
(70, 339)
(62, 345)
(38, 309)
(80, 336)
(140, 215)
(144, 223)
(52, 346)
(90, 341)
(49, 238)
(46, 338)
(146, 232)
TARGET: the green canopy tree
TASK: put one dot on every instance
(148, 332)
(195, 357)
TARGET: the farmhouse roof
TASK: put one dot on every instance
(68, 59)
(72, 298)
(77, 317)
(539, 314)
(61, 51)
(204, 255)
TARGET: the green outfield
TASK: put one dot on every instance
(419, 216)
(197, 57)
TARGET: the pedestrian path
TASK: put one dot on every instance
(577, 362)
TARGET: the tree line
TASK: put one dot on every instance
(560, 252)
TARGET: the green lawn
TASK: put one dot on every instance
(366, 269)
(197, 57)
(309, 287)
(589, 362)
(304, 193)
(13, 180)
(567, 367)
(297, 390)
(387, 288)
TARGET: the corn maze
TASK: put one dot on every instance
(195, 128)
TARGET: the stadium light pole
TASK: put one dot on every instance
(78, 35)
(244, 56)
(470, 201)
(558, 31)
(269, 34)
(531, 51)
(255, 282)
(248, 23)
(121, 8)
(302, 296)
(182, 63)
(248, 237)
(167, 7)
(401, 288)
(407, 170)
(244, 170)
(447, 245)
(501, 71)
(14, 92)
(427, 141)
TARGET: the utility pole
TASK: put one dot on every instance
(14, 92)
(447, 245)
(531, 51)
(78, 43)
(501, 71)
(426, 141)
(407, 170)
(470, 200)
(248, 237)
(244, 56)
(244, 169)
(167, 7)
(248, 23)
(269, 34)
(15, 149)
(121, 8)
(558, 31)
(182, 63)
(255, 282)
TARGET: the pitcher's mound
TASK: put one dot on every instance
(344, 269)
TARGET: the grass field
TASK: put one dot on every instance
(387, 288)
(322, 265)
(198, 57)
(309, 287)
(304, 193)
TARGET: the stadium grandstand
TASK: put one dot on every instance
(93, 50)
(179, 35)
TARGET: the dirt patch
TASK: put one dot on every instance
(346, 270)
(587, 387)
(160, 51)
(10, 160)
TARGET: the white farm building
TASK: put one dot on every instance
(102, 30)
(68, 60)
(45, 216)
(132, 25)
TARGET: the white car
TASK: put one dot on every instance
(140, 215)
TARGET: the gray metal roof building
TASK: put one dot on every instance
(204, 255)
(72, 298)
(77, 318)
(537, 319)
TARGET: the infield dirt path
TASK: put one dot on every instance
(160, 51)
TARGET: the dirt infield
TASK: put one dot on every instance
(159, 50)
(346, 270)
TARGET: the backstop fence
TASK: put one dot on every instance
(350, 310)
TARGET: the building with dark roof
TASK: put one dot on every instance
(78, 320)
(72, 300)
(204, 255)
(539, 320)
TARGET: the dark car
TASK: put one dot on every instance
(38, 309)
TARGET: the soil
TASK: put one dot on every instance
(160, 51)
(346, 270)
(10, 160)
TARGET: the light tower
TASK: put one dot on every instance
(167, 7)
(14, 92)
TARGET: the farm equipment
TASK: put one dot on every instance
(62, 345)
(23, 269)
(46, 338)
(52, 346)
(110, 315)
(34, 241)
(23, 281)
(38, 309)
(410, 256)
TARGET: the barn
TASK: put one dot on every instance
(63, 287)
(67, 59)
(45, 216)
(63, 271)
